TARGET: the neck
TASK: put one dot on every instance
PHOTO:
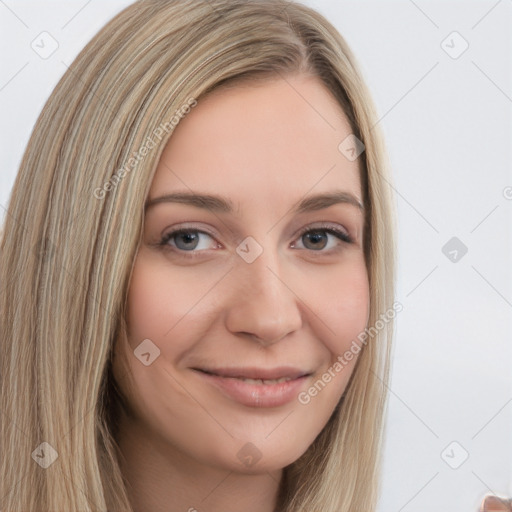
(161, 478)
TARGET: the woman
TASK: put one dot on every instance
(142, 371)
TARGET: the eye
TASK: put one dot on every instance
(184, 239)
(187, 240)
(317, 238)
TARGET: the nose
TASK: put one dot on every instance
(263, 303)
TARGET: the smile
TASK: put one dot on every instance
(254, 387)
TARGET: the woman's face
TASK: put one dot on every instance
(255, 287)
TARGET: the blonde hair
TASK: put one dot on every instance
(72, 231)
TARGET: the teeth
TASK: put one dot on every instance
(265, 381)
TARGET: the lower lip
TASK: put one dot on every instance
(257, 395)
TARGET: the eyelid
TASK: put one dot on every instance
(169, 233)
(186, 227)
(326, 226)
(334, 229)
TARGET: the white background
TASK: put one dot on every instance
(448, 127)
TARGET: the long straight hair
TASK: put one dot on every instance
(73, 228)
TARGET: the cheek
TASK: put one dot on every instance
(343, 303)
(166, 308)
(161, 305)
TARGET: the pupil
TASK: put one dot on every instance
(188, 237)
(316, 236)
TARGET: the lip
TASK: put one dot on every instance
(253, 372)
(230, 382)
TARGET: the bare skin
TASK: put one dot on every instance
(496, 504)
(187, 443)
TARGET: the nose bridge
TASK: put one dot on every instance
(263, 277)
(263, 303)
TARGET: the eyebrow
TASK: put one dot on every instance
(221, 204)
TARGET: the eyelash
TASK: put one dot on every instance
(338, 233)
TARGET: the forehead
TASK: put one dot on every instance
(261, 143)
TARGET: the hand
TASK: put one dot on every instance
(495, 504)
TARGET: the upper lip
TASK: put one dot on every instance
(257, 373)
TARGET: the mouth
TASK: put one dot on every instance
(257, 387)
(257, 375)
